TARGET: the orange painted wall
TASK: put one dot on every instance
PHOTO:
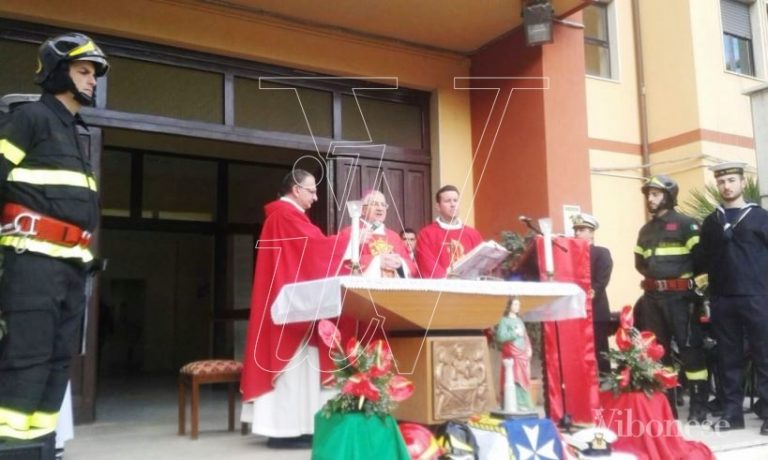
(538, 161)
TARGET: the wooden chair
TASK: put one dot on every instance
(197, 373)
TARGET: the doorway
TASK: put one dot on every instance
(180, 218)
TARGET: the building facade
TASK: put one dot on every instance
(209, 103)
(666, 85)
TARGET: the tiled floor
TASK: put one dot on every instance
(137, 420)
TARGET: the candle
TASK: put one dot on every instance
(356, 238)
(354, 208)
(545, 225)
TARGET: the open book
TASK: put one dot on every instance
(479, 261)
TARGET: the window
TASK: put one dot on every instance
(737, 36)
(598, 54)
(385, 122)
(18, 67)
(166, 90)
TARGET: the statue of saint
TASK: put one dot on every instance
(512, 339)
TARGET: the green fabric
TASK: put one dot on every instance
(355, 436)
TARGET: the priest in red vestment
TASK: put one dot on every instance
(281, 382)
(446, 240)
(382, 252)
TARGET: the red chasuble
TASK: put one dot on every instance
(375, 245)
(437, 248)
(290, 249)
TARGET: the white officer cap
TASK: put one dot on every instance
(731, 167)
(585, 220)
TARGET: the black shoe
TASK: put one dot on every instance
(764, 428)
(729, 423)
(715, 408)
(696, 415)
(298, 442)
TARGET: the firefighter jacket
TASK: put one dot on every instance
(44, 169)
(664, 246)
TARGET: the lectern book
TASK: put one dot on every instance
(479, 261)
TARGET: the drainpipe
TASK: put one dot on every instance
(642, 107)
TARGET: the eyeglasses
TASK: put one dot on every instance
(380, 204)
(312, 191)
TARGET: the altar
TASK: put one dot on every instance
(434, 329)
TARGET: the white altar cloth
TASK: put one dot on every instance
(422, 304)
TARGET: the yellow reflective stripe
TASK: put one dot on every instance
(9, 432)
(90, 46)
(43, 420)
(687, 275)
(17, 420)
(646, 253)
(457, 443)
(11, 152)
(52, 177)
(672, 251)
(697, 375)
(692, 241)
(23, 243)
(655, 181)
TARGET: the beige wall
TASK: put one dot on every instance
(722, 106)
(612, 104)
(671, 79)
(697, 116)
(618, 205)
(237, 34)
(612, 117)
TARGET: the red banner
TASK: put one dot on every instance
(569, 346)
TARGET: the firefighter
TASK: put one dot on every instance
(50, 208)
(663, 255)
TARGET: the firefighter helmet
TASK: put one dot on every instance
(419, 441)
(665, 184)
(56, 53)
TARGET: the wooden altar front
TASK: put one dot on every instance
(434, 328)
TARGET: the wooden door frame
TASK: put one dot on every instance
(84, 366)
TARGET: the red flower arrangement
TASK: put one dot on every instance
(364, 375)
(636, 365)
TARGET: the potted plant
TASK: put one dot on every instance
(636, 365)
(356, 423)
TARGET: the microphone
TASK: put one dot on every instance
(533, 226)
(529, 223)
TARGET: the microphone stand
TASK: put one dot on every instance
(566, 421)
(529, 223)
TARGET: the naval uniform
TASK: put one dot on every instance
(734, 253)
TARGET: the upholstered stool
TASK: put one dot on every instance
(196, 373)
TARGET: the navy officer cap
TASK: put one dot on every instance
(731, 167)
(583, 219)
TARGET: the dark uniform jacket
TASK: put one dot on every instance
(735, 258)
(601, 266)
(664, 246)
(44, 169)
